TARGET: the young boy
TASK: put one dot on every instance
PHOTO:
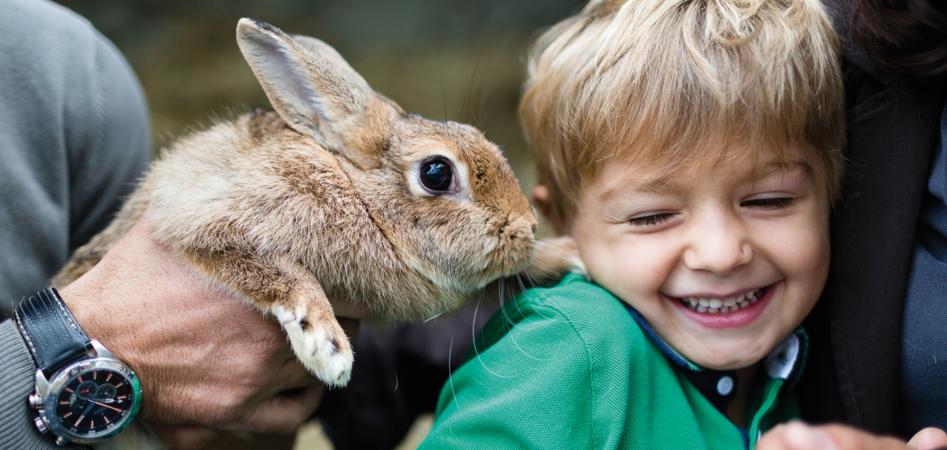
(692, 149)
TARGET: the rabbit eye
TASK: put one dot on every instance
(436, 175)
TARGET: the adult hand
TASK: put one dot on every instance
(205, 358)
(797, 435)
(189, 438)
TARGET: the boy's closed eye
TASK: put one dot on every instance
(779, 190)
(771, 202)
(764, 202)
(651, 219)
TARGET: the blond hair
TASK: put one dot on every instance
(648, 80)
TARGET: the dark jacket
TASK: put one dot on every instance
(854, 369)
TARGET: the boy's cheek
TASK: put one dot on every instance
(632, 271)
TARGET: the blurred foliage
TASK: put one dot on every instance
(447, 59)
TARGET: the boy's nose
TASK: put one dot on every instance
(718, 250)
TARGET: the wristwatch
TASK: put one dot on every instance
(84, 394)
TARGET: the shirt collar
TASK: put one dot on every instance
(786, 361)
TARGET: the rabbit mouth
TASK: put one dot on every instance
(514, 247)
(508, 260)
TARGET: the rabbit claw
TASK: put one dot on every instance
(321, 346)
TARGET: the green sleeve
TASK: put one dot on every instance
(526, 385)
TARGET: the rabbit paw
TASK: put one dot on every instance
(321, 346)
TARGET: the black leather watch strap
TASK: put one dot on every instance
(50, 330)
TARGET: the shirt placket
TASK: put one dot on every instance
(760, 421)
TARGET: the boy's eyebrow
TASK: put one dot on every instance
(667, 185)
(657, 185)
(781, 166)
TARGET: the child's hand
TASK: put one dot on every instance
(797, 435)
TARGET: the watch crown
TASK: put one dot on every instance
(35, 401)
(40, 425)
(61, 441)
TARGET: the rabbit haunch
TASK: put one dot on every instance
(325, 197)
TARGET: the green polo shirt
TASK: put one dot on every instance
(571, 367)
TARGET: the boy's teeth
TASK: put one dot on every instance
(724, 305)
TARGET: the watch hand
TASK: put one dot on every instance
(106, 406)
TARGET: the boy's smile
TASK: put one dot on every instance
(726, 311)
(724, 260)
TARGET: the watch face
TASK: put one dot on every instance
(94, 401)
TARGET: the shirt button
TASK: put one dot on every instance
(725, 385)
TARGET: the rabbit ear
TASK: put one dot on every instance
(309, 84)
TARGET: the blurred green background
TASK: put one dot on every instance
(444, 59)
(448, 59)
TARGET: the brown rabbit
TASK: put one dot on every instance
(339, 193)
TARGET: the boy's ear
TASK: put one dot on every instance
(308, 83)
(543, 200)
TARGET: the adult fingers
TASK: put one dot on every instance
(196, 438)
(797, 435)
(847, 437)
(184, 438)
(929, 439)
(283, 413)
(293, 375)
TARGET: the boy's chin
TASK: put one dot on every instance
(732, 356)
(729, 364)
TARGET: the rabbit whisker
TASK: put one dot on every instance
(432, 317)
(473, 333)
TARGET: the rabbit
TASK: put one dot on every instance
(338, 194)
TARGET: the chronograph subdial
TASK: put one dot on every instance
(94, 401)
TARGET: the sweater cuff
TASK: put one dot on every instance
(17, 377)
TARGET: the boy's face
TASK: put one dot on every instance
(724, 261)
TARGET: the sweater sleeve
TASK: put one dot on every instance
(73, 138)
(526, 385)
(16, 383)
(108, 141)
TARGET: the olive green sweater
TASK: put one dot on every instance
(570, 367)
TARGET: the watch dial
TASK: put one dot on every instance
(94, 401)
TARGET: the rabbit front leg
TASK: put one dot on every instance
(315, 335)
(292, 294)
